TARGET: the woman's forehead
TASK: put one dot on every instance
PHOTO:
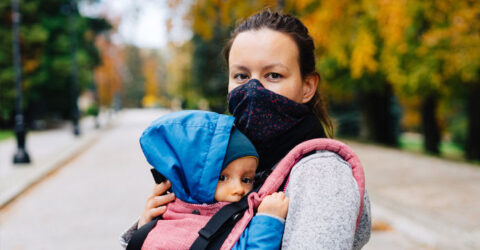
(263, 46)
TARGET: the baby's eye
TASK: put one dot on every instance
(222, 178)
(240, 77)
(247, 180)
(274, 76)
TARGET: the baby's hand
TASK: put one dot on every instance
(156, 203)
(275, 204)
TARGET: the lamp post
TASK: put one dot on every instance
(74, 66)
(21, 156)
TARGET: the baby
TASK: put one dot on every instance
(209, 163)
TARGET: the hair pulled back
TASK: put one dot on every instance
(294, 28)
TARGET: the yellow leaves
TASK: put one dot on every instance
(30, 65)
(411, 116)
(203, 28)
(149, 101)
(328, 24)
(301, 5)
(210, 14)
(204, 16)
(414, 43)
(338, 52)
(454, 38)
(108, 75)
(392, 21)
(363, 55)
(149, 69)
(390, 65)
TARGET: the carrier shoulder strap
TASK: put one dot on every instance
(140, 235)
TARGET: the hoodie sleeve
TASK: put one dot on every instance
(127, 235)
(263, 232)
(324, 204)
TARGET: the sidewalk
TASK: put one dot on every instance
(433, 201)
(48, 150)
(423, 202)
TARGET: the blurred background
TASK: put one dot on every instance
(404, 74)
(400, 73)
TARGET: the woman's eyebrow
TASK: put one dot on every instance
(275, 65)
(240, 67)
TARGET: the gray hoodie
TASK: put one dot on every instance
(324, 204)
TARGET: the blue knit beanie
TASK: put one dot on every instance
(238, 146)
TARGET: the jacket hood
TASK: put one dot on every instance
(188, 148)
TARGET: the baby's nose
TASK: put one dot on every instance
(238, 189)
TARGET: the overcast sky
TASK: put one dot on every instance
(143, 22)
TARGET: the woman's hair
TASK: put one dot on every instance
(293, 27)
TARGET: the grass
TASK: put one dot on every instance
(414, 143)
(6, 134)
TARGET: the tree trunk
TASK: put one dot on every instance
(431, 132)
(378, 116)
(473, 112)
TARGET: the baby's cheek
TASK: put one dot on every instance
(218, 192)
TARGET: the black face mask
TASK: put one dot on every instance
(262, 114)
(274, 123)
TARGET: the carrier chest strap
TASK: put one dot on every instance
(214, 233)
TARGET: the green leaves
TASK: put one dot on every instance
(46, 44)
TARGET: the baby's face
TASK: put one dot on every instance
(236, 180)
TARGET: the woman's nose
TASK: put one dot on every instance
(255, 76)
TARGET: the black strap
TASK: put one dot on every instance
(219, 226)
(140, 235)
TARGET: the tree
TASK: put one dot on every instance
(109, 74)
(351, 47)
(152, 64)
(437, 57)
(45, 46)
(134, 84)
(453, 38)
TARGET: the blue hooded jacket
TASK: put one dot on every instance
(192, 168)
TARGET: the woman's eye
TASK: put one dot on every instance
(222, 178)
(247, 180)
(274, 76)
(240, 77)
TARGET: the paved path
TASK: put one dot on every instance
(48, 150)
(420, 202)
(432, 201)
(88, 202)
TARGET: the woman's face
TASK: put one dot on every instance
(272, 58)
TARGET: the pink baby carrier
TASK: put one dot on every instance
(181, 219)
(276, 178)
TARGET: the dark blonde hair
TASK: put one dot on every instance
(293, 27)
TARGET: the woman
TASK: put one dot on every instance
(274, 98)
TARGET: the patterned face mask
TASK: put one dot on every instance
(262, 114)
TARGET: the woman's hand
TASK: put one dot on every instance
(156, 203)
(275, 204)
